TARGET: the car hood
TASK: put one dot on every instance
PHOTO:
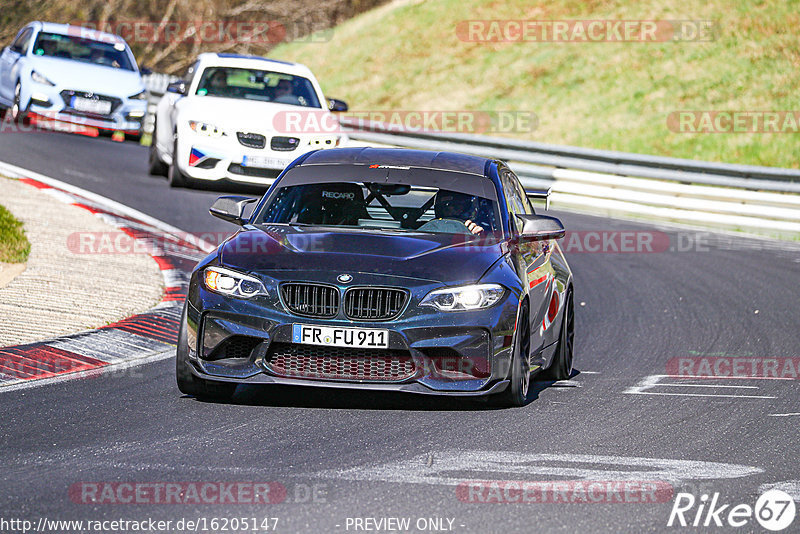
(79, 76)
(445, 258)
(254, 116)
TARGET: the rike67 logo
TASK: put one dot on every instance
(774, 510)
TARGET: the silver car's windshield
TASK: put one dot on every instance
(77, 48)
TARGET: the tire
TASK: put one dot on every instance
(17, 113)
(174, 174)
(188, 383)
(520, 373)
(561, 366)
(156, 167)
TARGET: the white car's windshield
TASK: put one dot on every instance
(254, 84)
(76, 48)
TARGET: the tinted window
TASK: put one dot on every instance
(379, 206)
(254, 84)
(526, 202)
(190, 72)
(516, 202)
(103, 53)
(20, 44)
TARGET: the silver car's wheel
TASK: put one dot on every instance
(17, 114)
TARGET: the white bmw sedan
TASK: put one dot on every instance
(240, 119)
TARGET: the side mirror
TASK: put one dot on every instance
(145, 71)
(231, 208)
(540, 228)
(178, 87)
(335, 104)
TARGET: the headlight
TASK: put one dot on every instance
(38, 78)
(474, 297)
(204, 128)
(139, 96)
(232, 283)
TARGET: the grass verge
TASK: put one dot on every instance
(408, 55)
(14, 246)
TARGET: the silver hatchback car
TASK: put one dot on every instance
(73, 74)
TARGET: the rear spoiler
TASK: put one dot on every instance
(541, 194)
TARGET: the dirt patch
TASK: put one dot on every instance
(8, 271)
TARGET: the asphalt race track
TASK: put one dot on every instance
(336, 461)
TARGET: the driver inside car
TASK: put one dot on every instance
(217, 84)
(460, 206)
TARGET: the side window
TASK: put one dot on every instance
(20, 44)
(516, 204)
(526, 203)
(513, 203)
(190, 72)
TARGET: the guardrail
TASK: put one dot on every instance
(763, 200)
(156, 85)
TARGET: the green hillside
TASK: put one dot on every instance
(407, 55)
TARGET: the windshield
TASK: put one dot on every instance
(261, 85)
(75, 48)
(380, 206)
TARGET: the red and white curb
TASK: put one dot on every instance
(141, 338)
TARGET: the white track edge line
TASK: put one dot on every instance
(20, 172)
(110, 368)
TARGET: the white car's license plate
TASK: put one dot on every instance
(88, 105)
(263, 162)
(335, 336)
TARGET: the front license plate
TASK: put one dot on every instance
(334, 336)
(89, 105)
(263, 162)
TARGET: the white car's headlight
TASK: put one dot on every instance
(233, 283)
(38, 78)
(205, 128)
(139, 96)
(473, 297)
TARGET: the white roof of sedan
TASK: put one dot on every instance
(79, 31)
(253, 62)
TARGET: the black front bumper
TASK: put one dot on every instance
(461, 353)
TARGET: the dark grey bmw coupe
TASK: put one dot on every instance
(382, 269)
